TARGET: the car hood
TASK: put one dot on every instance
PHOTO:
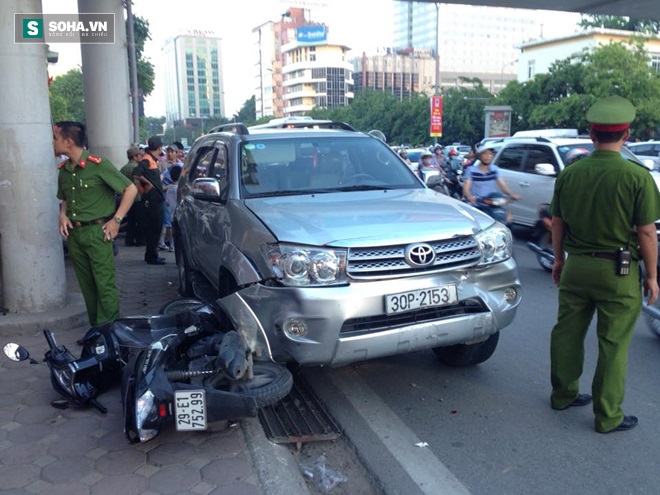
(384, 217)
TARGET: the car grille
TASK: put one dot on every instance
(373, 324)
(389, 261)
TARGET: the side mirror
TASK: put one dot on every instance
(206, 188)
(16, 352)
(546, 169)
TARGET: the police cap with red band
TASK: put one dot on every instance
(611, 114)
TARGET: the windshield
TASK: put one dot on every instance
(290, 166)
(564, 150)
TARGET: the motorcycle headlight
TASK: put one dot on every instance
(302, 266)
(144, 407)
(495, 243)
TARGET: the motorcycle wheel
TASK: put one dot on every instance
(653, 323)
(179, 305)
(271, 383)
(545, 263)
(462, 355)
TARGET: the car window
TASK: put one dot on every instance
(539, 154)
(644, 150)
(270, 167)
(203, 165)
(511, 158)
(220, 170)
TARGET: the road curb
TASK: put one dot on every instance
(71, 314)
(277, 469)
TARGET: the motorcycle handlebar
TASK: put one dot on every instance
(50, 338)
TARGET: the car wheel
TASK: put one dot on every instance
(184, 270)
(270, 384)
(179, 305)
(461, 355)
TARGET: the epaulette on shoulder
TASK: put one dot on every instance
(639, 164)
(95, 159)
(61, 164)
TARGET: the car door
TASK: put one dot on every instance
(538, 188)
(510, 161)
(212, 215)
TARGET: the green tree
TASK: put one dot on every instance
(248, 114)
(145, 69)
(463, 113)
(647, 26)
(66, 97)
(561, 97)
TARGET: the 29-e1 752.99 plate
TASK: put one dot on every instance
(422, 298)
(190, 410)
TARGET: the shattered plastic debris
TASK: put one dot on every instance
(421, 444)
(323, 477)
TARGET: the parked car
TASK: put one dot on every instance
(529, 167)
(325, 245)
(461, 149)
(649, 151)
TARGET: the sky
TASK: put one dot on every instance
(357, 23)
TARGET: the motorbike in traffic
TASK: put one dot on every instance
(494, 205)
(540, 242)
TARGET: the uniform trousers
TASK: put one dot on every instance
(590, 285)
(94, 265)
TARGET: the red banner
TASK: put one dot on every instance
(436, 116)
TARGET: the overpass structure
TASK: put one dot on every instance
(31, 256)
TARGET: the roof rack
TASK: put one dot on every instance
(237, 128)
(304, 124)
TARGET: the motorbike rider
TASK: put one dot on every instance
(483, 177)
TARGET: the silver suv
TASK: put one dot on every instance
(529, 166)
(324, 248)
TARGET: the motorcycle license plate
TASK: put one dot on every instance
(190, 410)
(420, 299)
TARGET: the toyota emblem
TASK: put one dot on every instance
(420, 255)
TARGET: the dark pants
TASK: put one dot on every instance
(135, 224)
(153, 213)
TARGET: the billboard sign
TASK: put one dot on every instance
(310, 35)
(436, 116)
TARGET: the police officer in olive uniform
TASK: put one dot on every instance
(150, 187)
(86, 186)
(603, 207)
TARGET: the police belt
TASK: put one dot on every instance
(97, 221)
(606, 256)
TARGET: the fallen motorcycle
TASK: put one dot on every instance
(178, 368)
(541, 239)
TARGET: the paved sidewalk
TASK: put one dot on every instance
(81, 451)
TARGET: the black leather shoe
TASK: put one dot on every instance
(157, 261)
(628, 423)
(579, 401)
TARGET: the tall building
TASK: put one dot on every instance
(193, 79)
(298, 67)
(473, 41)
(399, 72)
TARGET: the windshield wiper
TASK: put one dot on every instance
(297, 192)
(364, 187)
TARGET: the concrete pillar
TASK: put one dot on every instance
(106, 86)
(31, 254)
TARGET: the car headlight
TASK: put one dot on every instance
(495, 243)
(144, 406)
(302, 266)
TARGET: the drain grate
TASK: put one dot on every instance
(298, 418)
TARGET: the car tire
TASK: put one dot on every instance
(186, 276)
(179, 305)
(462, 355)
(271, 383)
